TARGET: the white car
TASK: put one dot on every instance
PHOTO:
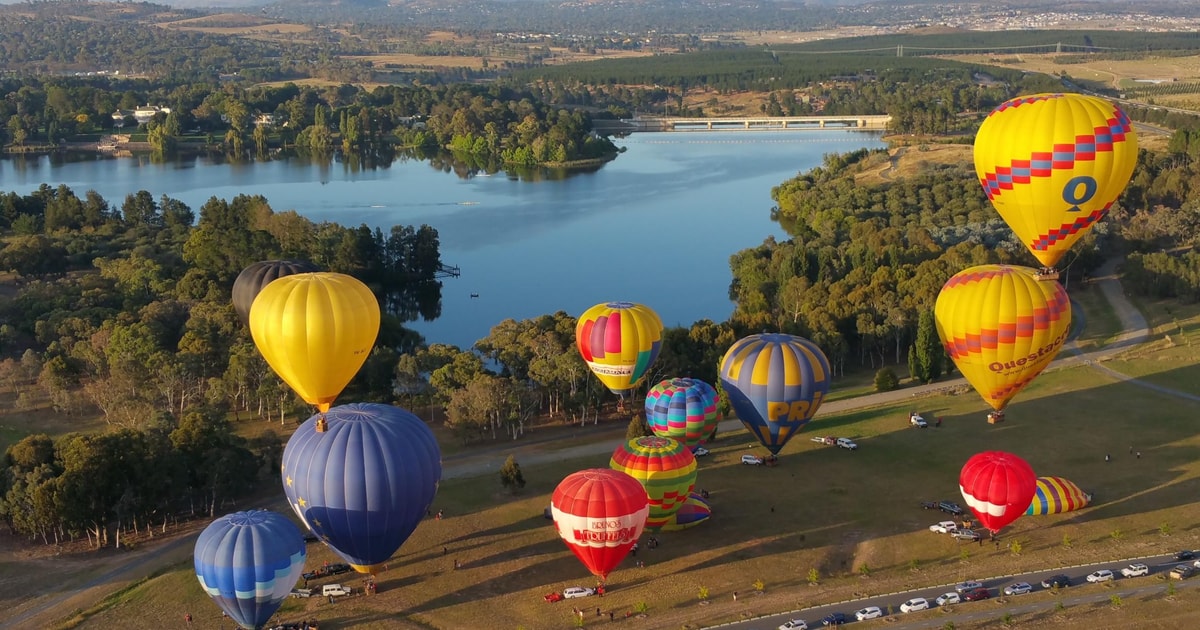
(870, 612)
(1103, 575)
(700, 451)
(847, 444)
(578, 591)
(752, 460)
(969, 585)
(915, 604)
(917, 421)
(1138, 569)
(944, 527)
(1018, 588)
(947, 599)
(794, 624)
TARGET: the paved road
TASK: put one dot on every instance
(1079, 593)
(534, 451)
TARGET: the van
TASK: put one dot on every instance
(336, 590)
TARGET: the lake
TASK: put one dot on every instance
(657, 225)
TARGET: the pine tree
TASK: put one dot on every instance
(929, 349)
(637, 428)
(510, 475)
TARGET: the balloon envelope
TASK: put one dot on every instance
(694, 511)
(258, 275)
(1052, 165)
(1001, 326)
(997, 486)
(1055, 495)
(599, 513)
(775, 382)
(619, 341)
(364, 484)
(666, 468)
(248, 562)
(315, 330)
(684, 409)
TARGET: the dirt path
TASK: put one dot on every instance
(43, 611)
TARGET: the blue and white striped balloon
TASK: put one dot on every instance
(248, 562)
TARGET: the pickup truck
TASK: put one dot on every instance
(1136, 569)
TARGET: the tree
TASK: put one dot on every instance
(510, 475)
(637, 428)
(927, 353)
(886, 380)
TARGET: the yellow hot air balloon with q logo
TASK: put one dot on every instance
(1052, 165)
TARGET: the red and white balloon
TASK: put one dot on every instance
(998, 487)
(600, 513)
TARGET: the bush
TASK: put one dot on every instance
(886, 380)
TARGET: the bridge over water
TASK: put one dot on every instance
(750, 123)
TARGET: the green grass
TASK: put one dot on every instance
(833, 510)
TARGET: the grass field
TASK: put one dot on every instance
(852, 516)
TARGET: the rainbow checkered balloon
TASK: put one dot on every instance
(1052, 165)
(665, 468)
(684, 409)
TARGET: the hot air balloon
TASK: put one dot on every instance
(600, 513)
(315, 330)
(248, 562)
(665, 467)
(1055, 495)
(258, 275)
(997, 486)
(684, 409)
(775, 382)
(619, 341)
(1052, 165)
(364, 484)
(1001, 326)
(693, 512)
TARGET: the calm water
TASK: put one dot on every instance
(657, 225)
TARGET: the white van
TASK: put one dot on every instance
(336, 590)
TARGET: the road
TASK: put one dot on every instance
(1080, 592)
(530, 452)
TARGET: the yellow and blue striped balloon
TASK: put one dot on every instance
(776, 383)
(1055, 495)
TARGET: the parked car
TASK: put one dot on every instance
(914, 604)
(1186, 554)
(917, 421)
(335, 590)
(950, 507)
(966, 534)
(946, 599)
(847, 444)
(1103, 575)
(1136, 569)
(870, 612)
(338, 567)
(578, 591)
(1056, 581)
(975, 595)
(700, 451)
(301, 592)
(553, 597)
(944, 527)
(969, 585)
(834, 619)
(929, 505)
(752, 460)
(1182, 572)
(794, 624)
(1018, 588)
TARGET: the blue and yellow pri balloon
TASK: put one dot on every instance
(776, 383)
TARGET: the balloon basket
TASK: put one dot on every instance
(996, 417)
(1046, 273)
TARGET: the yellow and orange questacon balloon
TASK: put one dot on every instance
(619, 341)
(315, 330)
(1001, 326)
(1052, 165)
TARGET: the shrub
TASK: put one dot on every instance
(886, 380)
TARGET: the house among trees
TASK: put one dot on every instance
(143, 114)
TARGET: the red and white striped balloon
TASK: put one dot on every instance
(998, 487)
(600, 513)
